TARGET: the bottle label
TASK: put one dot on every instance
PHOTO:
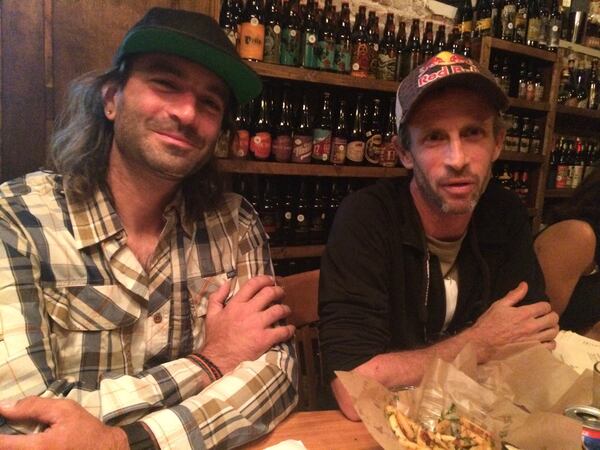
(538, 92)
(465, 26)
(282, 148)
(252, 40)
(533, 29)
(522, 89)
(554, 34)
(524, 145)
(576, 176)
(373, 148)
(507, 17)
(321, 144)
(272, 43)
(260, 145)
(355, 151)
(536, 146)
(302, 149)
(241, 144)
(308, 52)
(360, 60)
(386, 65)
(511, 144)
(222, 147)
(269, 222)
(339, 147)
(484, 26)
(342, 60)
(326, 54)
(388, 155)
(290, 47)
(530, 92)
(562, 174)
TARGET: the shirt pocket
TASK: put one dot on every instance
(200, 288)
(92, 308)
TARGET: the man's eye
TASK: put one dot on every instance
(434, 137)
(165, 84)
(473, 132)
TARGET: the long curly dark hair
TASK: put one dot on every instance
(83, 136)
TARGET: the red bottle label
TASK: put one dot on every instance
(260, 145)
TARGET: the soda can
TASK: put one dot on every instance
(589, 417)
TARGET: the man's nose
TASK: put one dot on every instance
(455, 154)
(184, 108)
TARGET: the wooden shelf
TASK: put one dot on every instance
(318, 170)
(580, 112)
(522, 157)
(579, 48)
(300, 251)
(316, 76)
(522, 49)
(559, 193)
(528, 104)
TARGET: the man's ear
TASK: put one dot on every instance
(109, 92)
(404, 155)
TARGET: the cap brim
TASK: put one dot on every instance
(474, 81)
(241, 79)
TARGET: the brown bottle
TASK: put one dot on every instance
(252, 31)
(355, 153)
(374, 135)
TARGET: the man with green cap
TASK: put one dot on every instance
(138, 307)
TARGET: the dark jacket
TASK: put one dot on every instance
(381, 290)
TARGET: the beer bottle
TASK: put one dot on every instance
(496, 69)
(543, 31)
(464, 18)
(530, 88)
(466, 51)
(290, 36)
(594, 94)
(525, 138)
(360, 46)
(356, 146)
(228, 20)
(303, 135)
(562, 169)
(339, 144)
(272, 31)
(326, 52)
(252, 31)
(343, 43)
(483, 26)
(505, 77)
(374, 135)
(282, 141)
(520, 34)
(260, 143)
(578, 164)
(564, 86)
(553, 166)
(316, 216)
(534, 24)
(496, 11)
(581, 91)
(511, 143)
(301, 225)
(241, 141)
(373, 42)
(287, 214)
(456, 43)
(427, 44)
(507, 19)
(439, 44)
(269, 213)
(523, 187)
(332, 205)
(554, 25)
(522, 81)
(538, 88)
(400, 47)
(321, 151)
(536, 140)
(309, 37)
(388, 152)
(386, 57)
(410, 59)
(505, 179)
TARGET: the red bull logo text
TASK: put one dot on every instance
(442, 65)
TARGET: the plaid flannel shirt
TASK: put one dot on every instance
(81, 319)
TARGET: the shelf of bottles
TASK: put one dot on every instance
(573, 158)
(593, 114)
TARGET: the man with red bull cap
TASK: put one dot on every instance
(422, 266)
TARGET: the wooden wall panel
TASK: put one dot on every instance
(23, 90)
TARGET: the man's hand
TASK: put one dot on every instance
(244, 329)
(504, 323)
(68, 426)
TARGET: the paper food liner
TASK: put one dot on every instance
(519, 396)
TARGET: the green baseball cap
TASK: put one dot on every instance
(196, 37)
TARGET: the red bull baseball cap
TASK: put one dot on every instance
(196, 37)
(446, 69)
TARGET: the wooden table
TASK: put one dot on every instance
(319, 430)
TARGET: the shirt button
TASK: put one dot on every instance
(157, 318)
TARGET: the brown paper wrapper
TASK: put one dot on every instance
(519, 396)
